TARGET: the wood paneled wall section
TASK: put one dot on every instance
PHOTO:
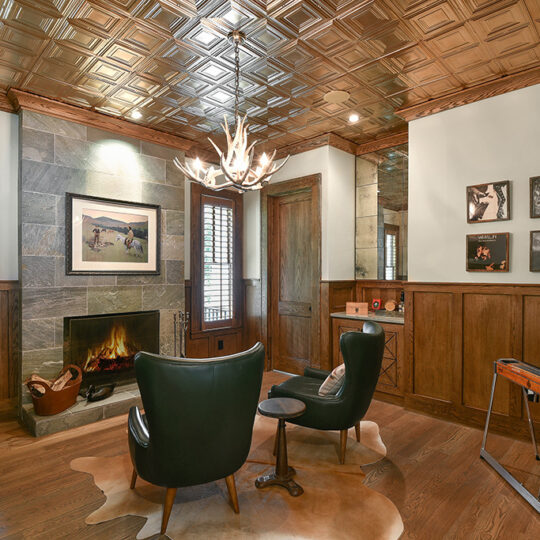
(334, 295)
(454, 334)
(367, 290)
(8, 338)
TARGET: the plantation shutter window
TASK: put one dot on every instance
(217, 265)
(215, 294)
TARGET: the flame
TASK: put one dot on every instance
(114, 353)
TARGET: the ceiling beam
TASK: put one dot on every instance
(500, 86)
(32, 102)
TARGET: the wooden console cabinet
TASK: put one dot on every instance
(391, 378)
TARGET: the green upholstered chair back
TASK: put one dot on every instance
(200, 414)
(362, 354)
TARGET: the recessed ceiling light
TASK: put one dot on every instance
(353, 118)
(136, 115)
(336, 96)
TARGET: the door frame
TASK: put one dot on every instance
(288, 187)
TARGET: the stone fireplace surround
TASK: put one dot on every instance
(58, 156)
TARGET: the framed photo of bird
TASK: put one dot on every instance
(106, 236)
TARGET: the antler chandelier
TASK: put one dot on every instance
(236, 163)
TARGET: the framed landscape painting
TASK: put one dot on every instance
(535, 251)
(105, 236)
(488, 202)
(488, 252)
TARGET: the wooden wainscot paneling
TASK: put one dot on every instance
(334, 296)
(368, 289)
(455, 332)
(390, 385)
(433, 343)
(8, 339)
(487, 336)
(531, 340)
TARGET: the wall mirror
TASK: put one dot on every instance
(381, 214)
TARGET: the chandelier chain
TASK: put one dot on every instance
(236, 165)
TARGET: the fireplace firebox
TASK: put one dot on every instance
(104, 346)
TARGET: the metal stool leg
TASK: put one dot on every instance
(489, 412)
(531, 425)
(484, 454)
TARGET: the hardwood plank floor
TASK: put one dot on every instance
(432, 474)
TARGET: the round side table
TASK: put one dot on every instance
(282, 409)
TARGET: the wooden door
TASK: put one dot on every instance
(294, 275)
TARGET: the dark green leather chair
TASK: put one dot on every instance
(198, 420)
(362, 354)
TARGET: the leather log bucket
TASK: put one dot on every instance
(56, 401)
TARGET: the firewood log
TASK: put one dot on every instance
(61, 381)
(36, 379)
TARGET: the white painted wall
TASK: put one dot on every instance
(9, 174)
(337, 212)
(490, 140)
(338, 216)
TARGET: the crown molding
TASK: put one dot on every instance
(500, 86)
(394, 139)
(327, 139)
(32, 102)
(5, 104)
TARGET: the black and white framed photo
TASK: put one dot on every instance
(488, 202)
(106, 236)
(488, 252)
(534, 259)
(535, 196)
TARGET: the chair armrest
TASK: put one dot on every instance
(316, 373)
(138, 428)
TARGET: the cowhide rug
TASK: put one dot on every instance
(335, 503)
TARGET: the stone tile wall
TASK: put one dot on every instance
(58, 156)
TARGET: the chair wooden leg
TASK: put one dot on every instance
(231, 486)
(167, 507)
(276, 441)
(133, 479)
(357, 429)
(342, 445)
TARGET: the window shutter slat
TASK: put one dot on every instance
(217, 263)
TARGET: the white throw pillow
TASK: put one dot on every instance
(334, 381)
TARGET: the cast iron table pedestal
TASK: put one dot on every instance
(282, 409)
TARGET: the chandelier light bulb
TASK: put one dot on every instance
(353, 118)
(197, 164)
(264, 159)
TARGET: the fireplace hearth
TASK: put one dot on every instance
(104, 346)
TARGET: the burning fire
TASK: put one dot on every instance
(114, 354)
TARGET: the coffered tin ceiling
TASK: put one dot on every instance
(171, 59)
